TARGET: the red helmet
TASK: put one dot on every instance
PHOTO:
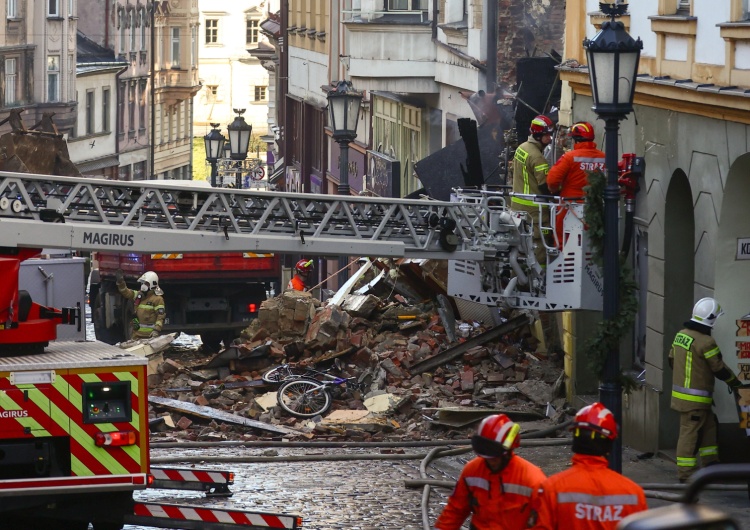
(596, 417)
(582, 131)
(304, 266)
(496, 436)
(541, 125)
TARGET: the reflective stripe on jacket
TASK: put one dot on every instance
(149, 310)
(569, 175)
(587, 496)
(696, 362)
(495, 501)
(529, 170)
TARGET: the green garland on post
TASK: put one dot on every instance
(608, 335)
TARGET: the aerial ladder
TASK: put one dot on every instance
(489, 246)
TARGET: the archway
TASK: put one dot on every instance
(679, 267)
(732, 290)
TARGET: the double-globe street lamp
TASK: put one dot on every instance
(239, 142)
(613, 57)
(343, 106)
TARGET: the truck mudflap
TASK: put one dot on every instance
(199, 518)
(213, 482)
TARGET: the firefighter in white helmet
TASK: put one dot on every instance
(696, 361)
(149, 305)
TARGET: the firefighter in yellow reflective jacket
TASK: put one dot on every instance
(696, 360)
(530, 178)
(149, 305)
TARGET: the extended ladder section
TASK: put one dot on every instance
(490, 246)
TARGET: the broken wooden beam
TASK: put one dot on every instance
(457, 351)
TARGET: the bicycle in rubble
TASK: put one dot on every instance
(285, 372)
(307, 398)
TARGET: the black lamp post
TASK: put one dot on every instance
(613, 65)
(343, 106)
(214, 142)
(239, 140)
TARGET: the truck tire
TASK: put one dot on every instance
(212, 341)
(114, 333)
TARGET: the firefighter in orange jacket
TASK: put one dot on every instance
(495, 487)
(303, 269)
(569, 175)
(589, 495)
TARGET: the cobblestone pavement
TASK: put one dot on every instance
(353, 495)
(370, 495)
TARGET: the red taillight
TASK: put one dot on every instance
(252, 308)
(149, 480)
(114, 439)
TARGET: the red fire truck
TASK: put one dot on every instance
(214, 295)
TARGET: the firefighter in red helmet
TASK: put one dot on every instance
(302, 272)
(569, 175)
(494, 488)
(530, 178)
(588, 495)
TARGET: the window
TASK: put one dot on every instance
(260, 93)
(175, 48)
(683, 7)
(142, 105)
(143, 29)
(53, 8)
(121, 108)
(11, 81)
(131, 107)
(122, 31)
(90, 112)
(212, 30)
(193, 46)
(71, 10)
(131, 18)
(211, 92)
(53, 78)
(11, 8)
(251, 31)
(407, 5)
(105, 109)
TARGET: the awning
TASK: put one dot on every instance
(278, 173)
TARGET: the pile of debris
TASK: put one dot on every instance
(420, 369)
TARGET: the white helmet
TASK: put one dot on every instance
(149, 280)
(706, 311)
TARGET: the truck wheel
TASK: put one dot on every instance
(211, 342)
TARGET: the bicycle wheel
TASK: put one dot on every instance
(277, 374)
(303, 398)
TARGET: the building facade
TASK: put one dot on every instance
(38, 60)
(690, 122)
(175, 83)
(231, 77)
(92, 143)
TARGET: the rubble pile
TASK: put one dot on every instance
(417, 374)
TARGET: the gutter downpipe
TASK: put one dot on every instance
(476, 63)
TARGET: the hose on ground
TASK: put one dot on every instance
(426, 491)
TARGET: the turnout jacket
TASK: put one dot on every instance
(495, 501)
(587, 496)
(568, 176)
(696, 360)
(149, 310)
(529, 172)
(296, 283)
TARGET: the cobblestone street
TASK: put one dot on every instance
(355, 495)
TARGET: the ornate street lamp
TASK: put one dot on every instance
(613, 65)
(214, 142)
(343, 106)
(239, 136)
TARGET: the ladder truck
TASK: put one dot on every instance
(73, 416)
